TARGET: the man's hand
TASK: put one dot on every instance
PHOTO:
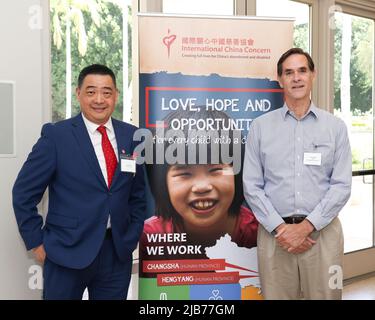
(40, 253)
(295, 237)
(306, 245)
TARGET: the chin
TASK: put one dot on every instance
(299, 96)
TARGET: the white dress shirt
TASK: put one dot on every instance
(96, 140)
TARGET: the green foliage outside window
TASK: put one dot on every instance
(361, 62)
(301, 36)
(104, 46)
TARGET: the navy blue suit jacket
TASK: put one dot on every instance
(80, 202)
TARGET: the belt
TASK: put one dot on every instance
(294, 219)
(108, 233)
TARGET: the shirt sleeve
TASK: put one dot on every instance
(340, 183)
(253, 182)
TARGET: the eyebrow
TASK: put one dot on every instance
(177, 167)
(93, 87)
(300, 69)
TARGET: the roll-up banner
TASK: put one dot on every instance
(202, 80)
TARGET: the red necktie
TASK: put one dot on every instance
(109, 155)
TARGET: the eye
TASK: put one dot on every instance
(216, 169)
(90, 92)
(107, 94)
(182, 174)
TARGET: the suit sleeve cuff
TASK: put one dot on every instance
(34, 241)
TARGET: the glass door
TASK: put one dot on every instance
(353, 102)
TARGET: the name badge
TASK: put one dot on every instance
(128, 163)
(312, 159)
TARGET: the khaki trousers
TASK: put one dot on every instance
(314, 274)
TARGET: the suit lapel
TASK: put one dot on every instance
(83, 139)
(123, 145)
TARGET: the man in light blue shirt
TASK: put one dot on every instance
(297, 178)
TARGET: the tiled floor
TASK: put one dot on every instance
(363, 289)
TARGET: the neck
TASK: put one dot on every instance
(298, 107)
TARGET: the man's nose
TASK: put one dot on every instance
(296, 76)
(99, 98)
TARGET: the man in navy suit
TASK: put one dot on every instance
(96, 196)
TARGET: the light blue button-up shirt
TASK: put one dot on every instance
(278, 179)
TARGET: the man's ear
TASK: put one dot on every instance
(280, 84)
(78, 92)
(314, 74)
(117, 95)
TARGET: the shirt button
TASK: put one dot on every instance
(298, 174)
(298, 139)
(298, 193)
(298, 157)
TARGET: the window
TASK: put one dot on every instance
(83, 33)
(218, 7)
(289, 9)
(353, 102)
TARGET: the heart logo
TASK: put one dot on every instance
(215, 293)
(168, 40)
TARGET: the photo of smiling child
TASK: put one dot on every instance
(202, 232)
(201, 201)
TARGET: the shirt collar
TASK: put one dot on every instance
(312, 109)
(93, 127)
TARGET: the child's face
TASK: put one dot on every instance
(201, 194)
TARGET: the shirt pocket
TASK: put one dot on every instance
(325, 149)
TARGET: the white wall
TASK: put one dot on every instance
(23, 59)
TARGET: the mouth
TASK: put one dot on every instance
(203, 206)
(99, 109)
(298, 87)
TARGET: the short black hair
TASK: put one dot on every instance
(157, 173)
(95, 69)
(290, 52)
